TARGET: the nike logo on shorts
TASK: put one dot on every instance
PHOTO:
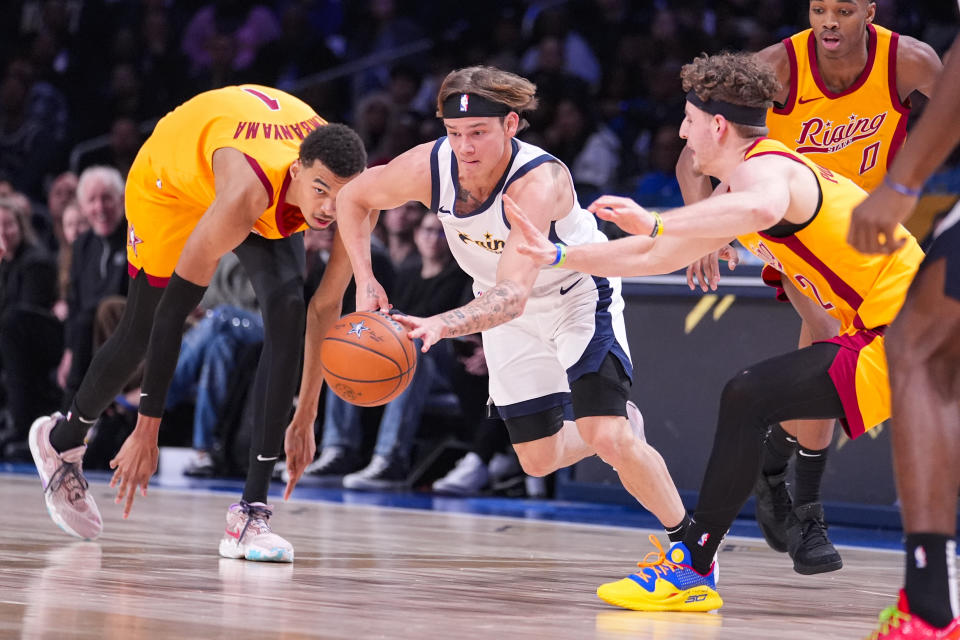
(262, 459)
(564, 292)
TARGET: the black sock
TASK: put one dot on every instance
(931, 572)
(676, 533)
(703, 542)
(258, 479)
(780, 447)
(70, 432)
(809, 474)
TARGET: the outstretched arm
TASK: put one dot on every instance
(935, 135)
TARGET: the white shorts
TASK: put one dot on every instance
(561, 336)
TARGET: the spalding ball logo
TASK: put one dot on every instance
(676, 556)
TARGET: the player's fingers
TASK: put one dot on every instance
(713, 271)
(690, 277)
(129, 505)
(116, 474)
(121, 490)
(733, 259)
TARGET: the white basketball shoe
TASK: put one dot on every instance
(248, 535)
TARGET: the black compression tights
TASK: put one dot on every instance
(789, 387)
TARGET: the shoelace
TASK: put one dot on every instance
(260, 515)
(814, 531)
(68, 475)
(659, 563)
(890, 618)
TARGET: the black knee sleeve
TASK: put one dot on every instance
(602, 393)
(535, 426)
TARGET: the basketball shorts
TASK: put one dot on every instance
(559, 338)
(946, 245)
(861, 378)
(159, 221)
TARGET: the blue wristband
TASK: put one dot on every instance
(559, 257)
(902, 189)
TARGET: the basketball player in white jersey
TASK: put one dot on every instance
(549, 336)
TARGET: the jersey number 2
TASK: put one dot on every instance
(267, 100)
(802, 280)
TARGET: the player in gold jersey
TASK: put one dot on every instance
(241, 169)
(793, 214)
(844, 101)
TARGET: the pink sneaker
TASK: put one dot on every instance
(248, 535)
(64, 487)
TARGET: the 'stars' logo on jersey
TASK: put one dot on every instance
(817, 136)
(489, 243)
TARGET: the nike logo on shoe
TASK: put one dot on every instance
(262, 459)
(802, 101)
(564, 292)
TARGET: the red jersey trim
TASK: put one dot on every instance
(794, 80)
(288, 217)
(262, 175)
(153, 281)
(864, 75)
(895, 100)
(838, 284)
(843, 373)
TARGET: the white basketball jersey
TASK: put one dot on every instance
(477, 238)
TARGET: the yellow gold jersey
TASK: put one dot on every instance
(855, 133)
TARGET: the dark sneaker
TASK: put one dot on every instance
(329, 468)
(382, 474)
(774, 504)
(807, 541)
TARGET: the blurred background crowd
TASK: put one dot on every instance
(82, 82)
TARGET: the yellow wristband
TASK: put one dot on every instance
(657, 226)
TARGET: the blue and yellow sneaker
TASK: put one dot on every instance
(665, 582)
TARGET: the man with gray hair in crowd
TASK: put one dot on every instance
(98, 269)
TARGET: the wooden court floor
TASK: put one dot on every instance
(375, 572)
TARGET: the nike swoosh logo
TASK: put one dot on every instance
(564, 292)
(442, 210)
(809, 455)
(802, 101)
(143, 395)
(262, 459)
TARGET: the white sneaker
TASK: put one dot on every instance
(248, 535)
(468, 478)
(69, 502)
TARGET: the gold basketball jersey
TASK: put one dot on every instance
(862, 291)
(855, 133)
(265, 124)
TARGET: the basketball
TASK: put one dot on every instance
(367, 358)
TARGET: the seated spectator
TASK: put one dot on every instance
(31, 337)
(124, 143)
(435, 286)
(249, 25)
(586, 146)
(63, 190)
(400, 225)
(658, 187)
(72, 225)
(98, 268)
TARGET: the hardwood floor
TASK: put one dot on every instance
(374, 572)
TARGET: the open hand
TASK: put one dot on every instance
(134, 464)
(429, 330)
(535, 244)
(625, 213)
(706, 270)
(371, 296)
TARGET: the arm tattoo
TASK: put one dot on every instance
(498, 305)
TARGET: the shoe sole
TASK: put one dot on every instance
(34, 443)
(704, 599)
(230, 548)
(772, 541)
(810, 570)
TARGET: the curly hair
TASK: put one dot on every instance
(338, 147)
(737, 78)
(493, 84)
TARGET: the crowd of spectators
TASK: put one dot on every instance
(83, 81)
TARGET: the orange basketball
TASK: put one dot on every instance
(367, 358)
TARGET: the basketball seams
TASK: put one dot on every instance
(340, 355)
